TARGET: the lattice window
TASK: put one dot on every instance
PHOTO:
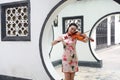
(15, 21)
(112, 30)
(74, 19)
(101, 35)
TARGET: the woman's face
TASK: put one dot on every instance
(72, 29)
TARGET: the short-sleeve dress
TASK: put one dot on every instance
(69, 57)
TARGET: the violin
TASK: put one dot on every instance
(80, 36)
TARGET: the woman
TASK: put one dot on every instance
(69, 58)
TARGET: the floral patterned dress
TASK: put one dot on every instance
(69, 58)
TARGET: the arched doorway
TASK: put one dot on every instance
(45, 44)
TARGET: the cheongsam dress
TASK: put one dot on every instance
(69, 57)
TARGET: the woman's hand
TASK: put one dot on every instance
(85, 38)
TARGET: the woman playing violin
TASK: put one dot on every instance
(69, 58)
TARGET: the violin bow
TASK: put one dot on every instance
(87, 31)
(89, 37)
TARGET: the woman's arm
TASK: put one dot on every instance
(59, 39)
(55, 42)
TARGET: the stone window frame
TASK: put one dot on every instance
(4, 6)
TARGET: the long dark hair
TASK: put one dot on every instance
(72, 24)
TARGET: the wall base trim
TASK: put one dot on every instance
(82, 63)
(91, 63)
(5, 77)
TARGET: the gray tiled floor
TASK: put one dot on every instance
(88, 73)
(109, 71)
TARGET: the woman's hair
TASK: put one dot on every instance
(71, 24)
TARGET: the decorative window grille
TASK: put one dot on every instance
(15, 18)
(73, 19)
(112, 30)
(101, 35)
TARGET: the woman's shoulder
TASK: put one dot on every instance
(62, 35)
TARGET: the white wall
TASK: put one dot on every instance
(109, 31)
(22, 59)
(117, 29)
